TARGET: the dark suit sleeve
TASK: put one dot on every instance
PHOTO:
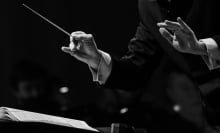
(132, 70)
(144, 54)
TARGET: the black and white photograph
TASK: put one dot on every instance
(92, 66)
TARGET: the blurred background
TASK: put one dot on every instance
(33, 66)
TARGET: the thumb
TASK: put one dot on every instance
(166, 34)
(66, 50)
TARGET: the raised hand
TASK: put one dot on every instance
(83, 47)
(183, 39)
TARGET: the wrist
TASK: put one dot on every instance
(94, 63)
(202, 47)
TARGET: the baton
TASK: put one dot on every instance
(44, 18)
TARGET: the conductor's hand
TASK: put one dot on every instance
(83, 47)
(183, 39)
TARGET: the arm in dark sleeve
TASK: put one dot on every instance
(144, 51)
(132, 70)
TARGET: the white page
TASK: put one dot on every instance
(27, 116)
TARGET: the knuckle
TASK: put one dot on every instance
(77, 33)
(73, 33)
(90, 36)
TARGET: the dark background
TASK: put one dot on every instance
(26, 36)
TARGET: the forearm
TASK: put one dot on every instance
(126, 73)
(103, 70)
(132, 70)
(127, 76)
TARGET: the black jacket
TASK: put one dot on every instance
(167, 77)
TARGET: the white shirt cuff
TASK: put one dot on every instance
(212, 60)
(104, 68)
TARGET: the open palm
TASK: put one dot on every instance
(183, 39)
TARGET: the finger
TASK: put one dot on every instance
(83, 37)
(162, 25)
(66, 50)
(79, 32)
(73, 45)
(169, 27)
(75, 34)
(166, 34)
(69, 51)
(181, 44)
(172, 24)
(184, 25)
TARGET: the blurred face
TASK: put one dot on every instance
(30, 94)
(30, 90)
(27, 90)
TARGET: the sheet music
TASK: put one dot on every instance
(27, 116)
